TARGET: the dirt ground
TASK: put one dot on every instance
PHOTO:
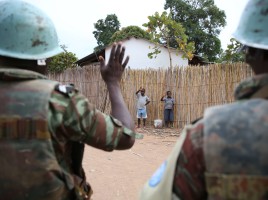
(119, 175)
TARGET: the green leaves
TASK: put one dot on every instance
(233, 53)
(61, 61)
(105, 29)
(130, 31)
(154, 53)
(163, 30)
(202, 21)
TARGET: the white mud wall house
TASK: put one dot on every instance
(138, 50)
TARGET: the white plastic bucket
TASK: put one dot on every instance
(158, 123)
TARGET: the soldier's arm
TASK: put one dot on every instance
(120, 111)
(78, 120)
(111, 74)
(74, 118)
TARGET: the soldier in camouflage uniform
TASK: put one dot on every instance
(43, 124)
(224, 154)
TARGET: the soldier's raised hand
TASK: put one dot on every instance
(113, 70)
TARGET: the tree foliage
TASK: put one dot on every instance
(203, 21)
(130, 31)
(163, 29)
(105, 29)
(61, 61)
(233, 52)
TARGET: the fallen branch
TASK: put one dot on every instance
(136, 153)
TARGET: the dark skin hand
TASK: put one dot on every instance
(111, 74)
(139, 90)
(168, 94)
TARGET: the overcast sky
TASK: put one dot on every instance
(74, 19)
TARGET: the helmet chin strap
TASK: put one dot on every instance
(41, 62)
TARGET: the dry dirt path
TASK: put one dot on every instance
(120, 175)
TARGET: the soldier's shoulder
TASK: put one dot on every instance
(67, 89)
(196, 120)
(62, 95)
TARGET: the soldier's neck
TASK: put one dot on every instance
(31, 65)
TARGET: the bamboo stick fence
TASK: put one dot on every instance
(194, 88)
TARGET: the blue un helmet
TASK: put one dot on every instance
(252, 29)
(26, 32)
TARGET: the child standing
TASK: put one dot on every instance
(142, 101)
(168, 109)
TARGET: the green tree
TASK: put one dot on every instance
(105, 29)
(234, 52)
(130, 31)
(61, 61)
(203, 21)
(163, 29)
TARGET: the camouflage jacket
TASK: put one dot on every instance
(71, 120)
(224, 155)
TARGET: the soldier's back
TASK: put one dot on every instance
(235, 150)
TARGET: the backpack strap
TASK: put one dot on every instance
(261, 93)
(159, 186)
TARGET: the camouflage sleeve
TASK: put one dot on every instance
(78, 120)
(189, 178)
